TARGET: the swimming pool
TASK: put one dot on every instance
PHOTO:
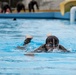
(14, 62)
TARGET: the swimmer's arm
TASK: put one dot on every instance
(38, 50)
(41, 48)
(63, 48)
(27, 41)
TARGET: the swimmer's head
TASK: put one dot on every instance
(51, 42)
(14, 19)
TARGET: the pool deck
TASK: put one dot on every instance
(37, 15)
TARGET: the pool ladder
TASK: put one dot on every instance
(72, 14)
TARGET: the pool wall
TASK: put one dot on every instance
(39, 15)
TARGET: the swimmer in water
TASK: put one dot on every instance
(51, 44)
(26, 42)
(14, 19)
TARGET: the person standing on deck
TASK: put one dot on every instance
(5, 8)
(32, 4)
(20, 6)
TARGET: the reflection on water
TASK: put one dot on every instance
(15, 62)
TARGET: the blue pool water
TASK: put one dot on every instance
(14, 62)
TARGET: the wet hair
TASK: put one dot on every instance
(27, 40)
(53, 39)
